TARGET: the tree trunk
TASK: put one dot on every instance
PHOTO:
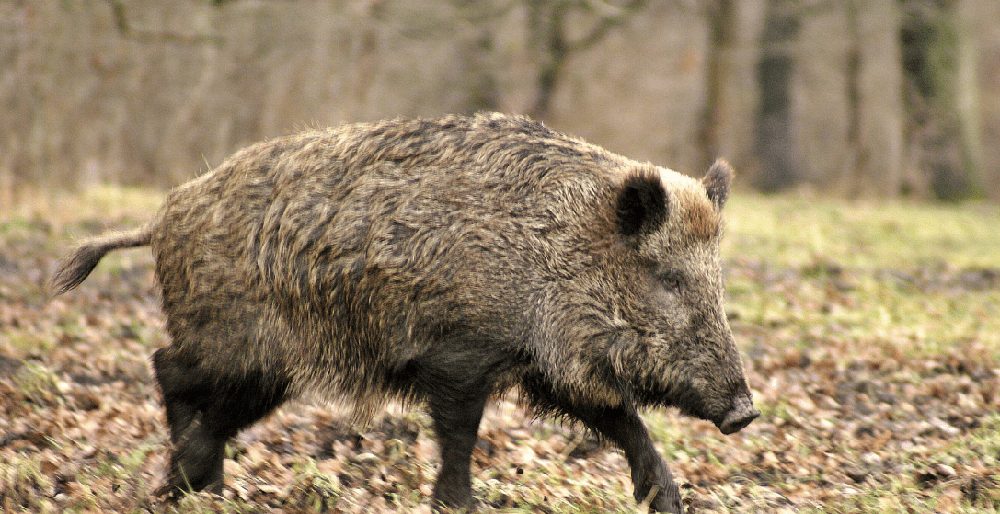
(545, 21)
(858, 161)
(774, 143)
(723, 23)
(874, 100)
(942, 96)
(480, 80)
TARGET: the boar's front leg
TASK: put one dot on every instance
(456, 422)
(623, 427)
(455, 379)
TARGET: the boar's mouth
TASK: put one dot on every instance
(687, 399)
(682, 396)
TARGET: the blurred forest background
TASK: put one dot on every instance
(877, 98)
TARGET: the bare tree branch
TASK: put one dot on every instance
(128, 31)
(611, 18)
(548, 35)
(482, 11)
(121, 21)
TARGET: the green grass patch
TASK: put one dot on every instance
(37, 384)
(800, 231)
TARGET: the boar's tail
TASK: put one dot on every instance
(75, 267)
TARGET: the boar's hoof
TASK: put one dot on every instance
(668, 500)
(465, 504)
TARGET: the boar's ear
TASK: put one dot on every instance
(717, 182)
(642, 204)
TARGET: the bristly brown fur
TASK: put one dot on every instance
(701, 219)
(441, 261)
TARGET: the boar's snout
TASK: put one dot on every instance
(739, 416)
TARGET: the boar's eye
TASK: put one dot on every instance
(671, 279)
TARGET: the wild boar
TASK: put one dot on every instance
(441, 261)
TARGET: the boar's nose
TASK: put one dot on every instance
(739, 416)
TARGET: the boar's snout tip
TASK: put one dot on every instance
(741, 415)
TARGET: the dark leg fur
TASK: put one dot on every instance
(456, 423)
(456, 381)
(623, 427)
(177, 390)
(196, 462)
(203, 413)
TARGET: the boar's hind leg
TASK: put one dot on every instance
(203, 413)
(623, 427)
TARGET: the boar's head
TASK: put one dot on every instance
(675, 346)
